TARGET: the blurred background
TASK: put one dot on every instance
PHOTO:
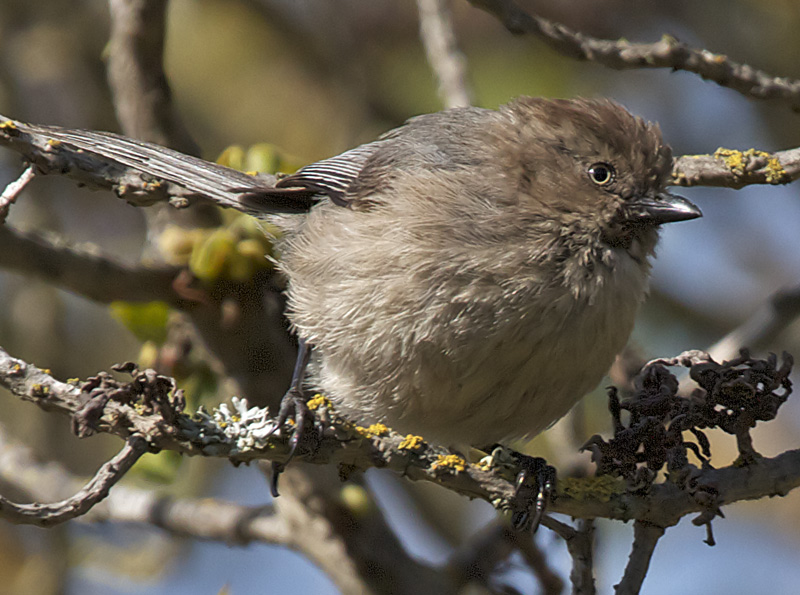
(313, 78)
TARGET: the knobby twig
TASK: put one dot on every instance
(665, 53)
(645, 539)
(12, 191)
(205, 518)
(446, 61)
(47, 515)
(141, 173)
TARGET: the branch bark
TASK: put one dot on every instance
(144, 174)
(47, 515)
(668, 52)
(135, 70)
(446, 61)
(240, 434)
(645, 539)
(84, 272)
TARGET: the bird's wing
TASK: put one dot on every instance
(334, 176)
(355, 178)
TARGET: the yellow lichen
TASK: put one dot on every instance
(53, 142)
(8, 124)
(735, 160)
(318, 401)
(776, 174)
(373, 430)
(600, 488)
(378, 429)
(411, 442)
(451, 461)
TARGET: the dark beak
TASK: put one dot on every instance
(663, 208)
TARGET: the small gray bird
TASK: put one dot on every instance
(471, 275)
(467, 277)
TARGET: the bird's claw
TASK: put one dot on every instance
(294, 408)
(535, 485)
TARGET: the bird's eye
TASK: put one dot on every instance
(602, 174)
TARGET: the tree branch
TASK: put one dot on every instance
(645, 539)
(135, 69)
(581, 547)
(242, 434)
(446, 61)
(779, 311)
(47, 515)
(12, 191)
(666, 53)
(84, 272)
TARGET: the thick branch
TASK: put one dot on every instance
(82, 271)
(666, 53)
(241, 436)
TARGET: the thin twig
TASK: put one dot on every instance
(446, 61)
(645, 539)
(12, 191)
(665, 53)
(47, 515)
(780, 310)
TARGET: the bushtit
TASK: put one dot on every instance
(469, 276)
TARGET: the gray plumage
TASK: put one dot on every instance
(471, 275)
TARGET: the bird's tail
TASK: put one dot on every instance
(135, 169)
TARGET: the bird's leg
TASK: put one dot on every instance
(294, 406)
(535, 485)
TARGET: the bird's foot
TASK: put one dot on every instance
(296, 414)
(535, 485)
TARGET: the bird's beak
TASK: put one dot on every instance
(662, 208)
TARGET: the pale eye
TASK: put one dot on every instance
(602, 174)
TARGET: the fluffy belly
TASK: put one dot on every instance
(456, 385)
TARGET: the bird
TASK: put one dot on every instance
(466, 277)
(472, 274)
